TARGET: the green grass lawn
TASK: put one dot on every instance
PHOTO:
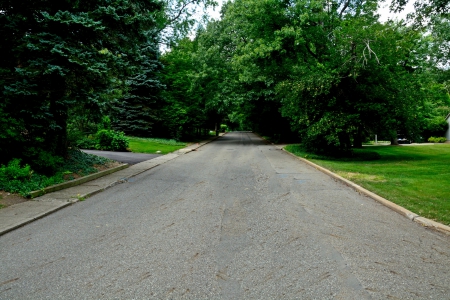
(152, 145)
(415, 177)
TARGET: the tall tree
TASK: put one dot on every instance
(329, 67)
(58, 55)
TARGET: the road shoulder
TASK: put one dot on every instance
(18, 215)
(395, 207)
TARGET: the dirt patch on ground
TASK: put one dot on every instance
(8, 199)
(107, 166)
(99, 168)
(364, 177)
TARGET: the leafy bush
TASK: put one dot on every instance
(111, 140)
(435, 127)
(42, 161)
(47, 163)
(17, 179)
(105, 123)
(14, 171)
(437, 139)
(21, 179)
(89, 142)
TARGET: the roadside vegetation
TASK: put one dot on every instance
(415, 177)
(154, 145)
(19, 178)
(327, 75)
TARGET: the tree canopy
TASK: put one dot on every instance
(329, 67)
(70, 62)
(326, 72)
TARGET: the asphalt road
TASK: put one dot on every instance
(237, 219)
(124, 157)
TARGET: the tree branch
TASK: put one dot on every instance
(344, 8)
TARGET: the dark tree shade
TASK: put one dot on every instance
(57, 55)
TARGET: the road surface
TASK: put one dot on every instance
(237, 219)
(124, 157)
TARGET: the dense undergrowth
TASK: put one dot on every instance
(16, 177)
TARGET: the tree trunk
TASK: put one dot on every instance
(357, 139)
(394, 140)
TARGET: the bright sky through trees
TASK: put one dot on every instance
(383, 10)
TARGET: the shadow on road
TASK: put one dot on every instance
(124, 157)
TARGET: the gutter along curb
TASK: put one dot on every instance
(397, 208)
(57, 197)
(75, 182)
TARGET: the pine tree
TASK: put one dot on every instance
(58, 55)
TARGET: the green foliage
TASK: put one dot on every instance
(13, 171)
(437, 139)
(160, 141)
(47, 163)
(333, 75)
(17, 178)
(436, 127)
(112, 140)
(184, 111)
(88, 142)
(154, 145)
(71, 57)
(105, 123)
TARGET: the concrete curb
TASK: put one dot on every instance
(18, 215)
(34, 218)
(75, 182)
(125, 179)
(397, 208)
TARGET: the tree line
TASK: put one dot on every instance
(67, 64)
(326, 72)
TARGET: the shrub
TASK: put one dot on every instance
(86, 143)
(105, 123)
(47, 163)
(14, 171)
(112, 140)
(21, 179)
(435, 127)
(437, 139)
(15, 179)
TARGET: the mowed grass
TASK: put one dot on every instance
(153, 145)
(415, 177)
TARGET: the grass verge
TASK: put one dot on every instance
(415, 177)
(153, 145)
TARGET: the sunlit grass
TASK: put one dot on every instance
(154, 145)
(415, 177)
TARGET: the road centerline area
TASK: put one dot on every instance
(236, 220)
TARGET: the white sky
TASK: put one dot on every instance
(383, 11)
(215, 14)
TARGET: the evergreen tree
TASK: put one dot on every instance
(58, 55)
